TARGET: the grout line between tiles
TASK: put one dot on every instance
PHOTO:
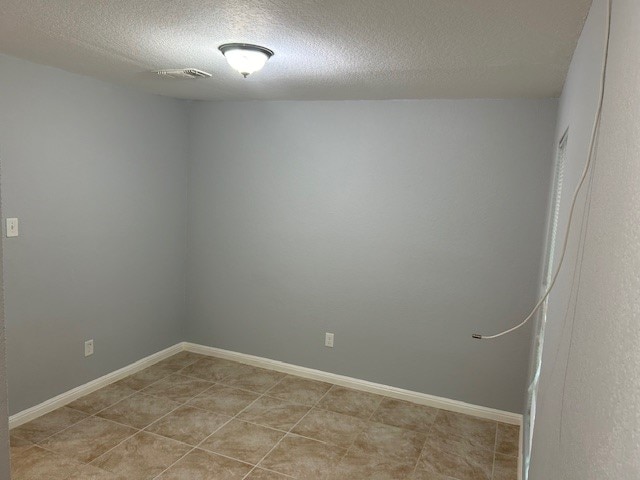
(288, 432)
(415, 468)
(139, 430)
(166, 469)
(224, 382)
(115, 446)
(58, 431)
(495, 449)
(285, 434)
(130, 437)
(348, 449)
(94, 415)
(234, 417)
(197, 447)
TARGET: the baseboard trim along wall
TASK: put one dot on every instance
(357, 384)
(69, 396)
(363, 385)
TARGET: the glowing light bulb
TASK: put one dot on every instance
(245, 58)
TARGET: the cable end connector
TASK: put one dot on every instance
(477, 336)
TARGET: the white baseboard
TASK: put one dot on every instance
(75, 393)
(363, 385)
(344, 381)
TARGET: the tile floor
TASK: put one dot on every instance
(193, 417)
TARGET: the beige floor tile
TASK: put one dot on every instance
(146, 377)
(456, 443)
(45, 426)
(331, 427)
(302, 458)
(212, 369)
(459, 467)
(505, 468)
(260, 474)
(253, 379)
(200, 465)
(363, 467)
(222, 399)
(273, 413)
(424, 475)
(181, 360)
(350, 402)
(177, 388)
(507, 439)
(399, 413)
(142, 457)
(383, 438)
(469, 430)
(37, 464)
(188, 424)
(453, 444)
(437, 446)
(392, 443)
(88, 472)
(88, 439)
(138, 410)
(299, 390)
(101, 399)
(243, 441)
(19, 444)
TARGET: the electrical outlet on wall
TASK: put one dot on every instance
(328, 339)
(88, 348)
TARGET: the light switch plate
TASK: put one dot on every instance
(328, 340)
(88, 348)
(12, 227)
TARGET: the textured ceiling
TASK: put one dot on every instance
(331, 49)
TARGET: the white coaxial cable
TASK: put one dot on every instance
(585, 172)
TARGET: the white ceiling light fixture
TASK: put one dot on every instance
(244, 57)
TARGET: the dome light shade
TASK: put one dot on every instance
(245, 58)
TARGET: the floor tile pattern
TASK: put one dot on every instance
(193, 417)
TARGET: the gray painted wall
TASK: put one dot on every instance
(96, 174)
(401, 226)
(589, 399)
(5, 468)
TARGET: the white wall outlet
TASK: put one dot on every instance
(12, 227)
(328, 339)
(88, 348)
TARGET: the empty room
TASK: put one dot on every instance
(320, 240)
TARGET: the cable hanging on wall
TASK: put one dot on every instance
(590, 159)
